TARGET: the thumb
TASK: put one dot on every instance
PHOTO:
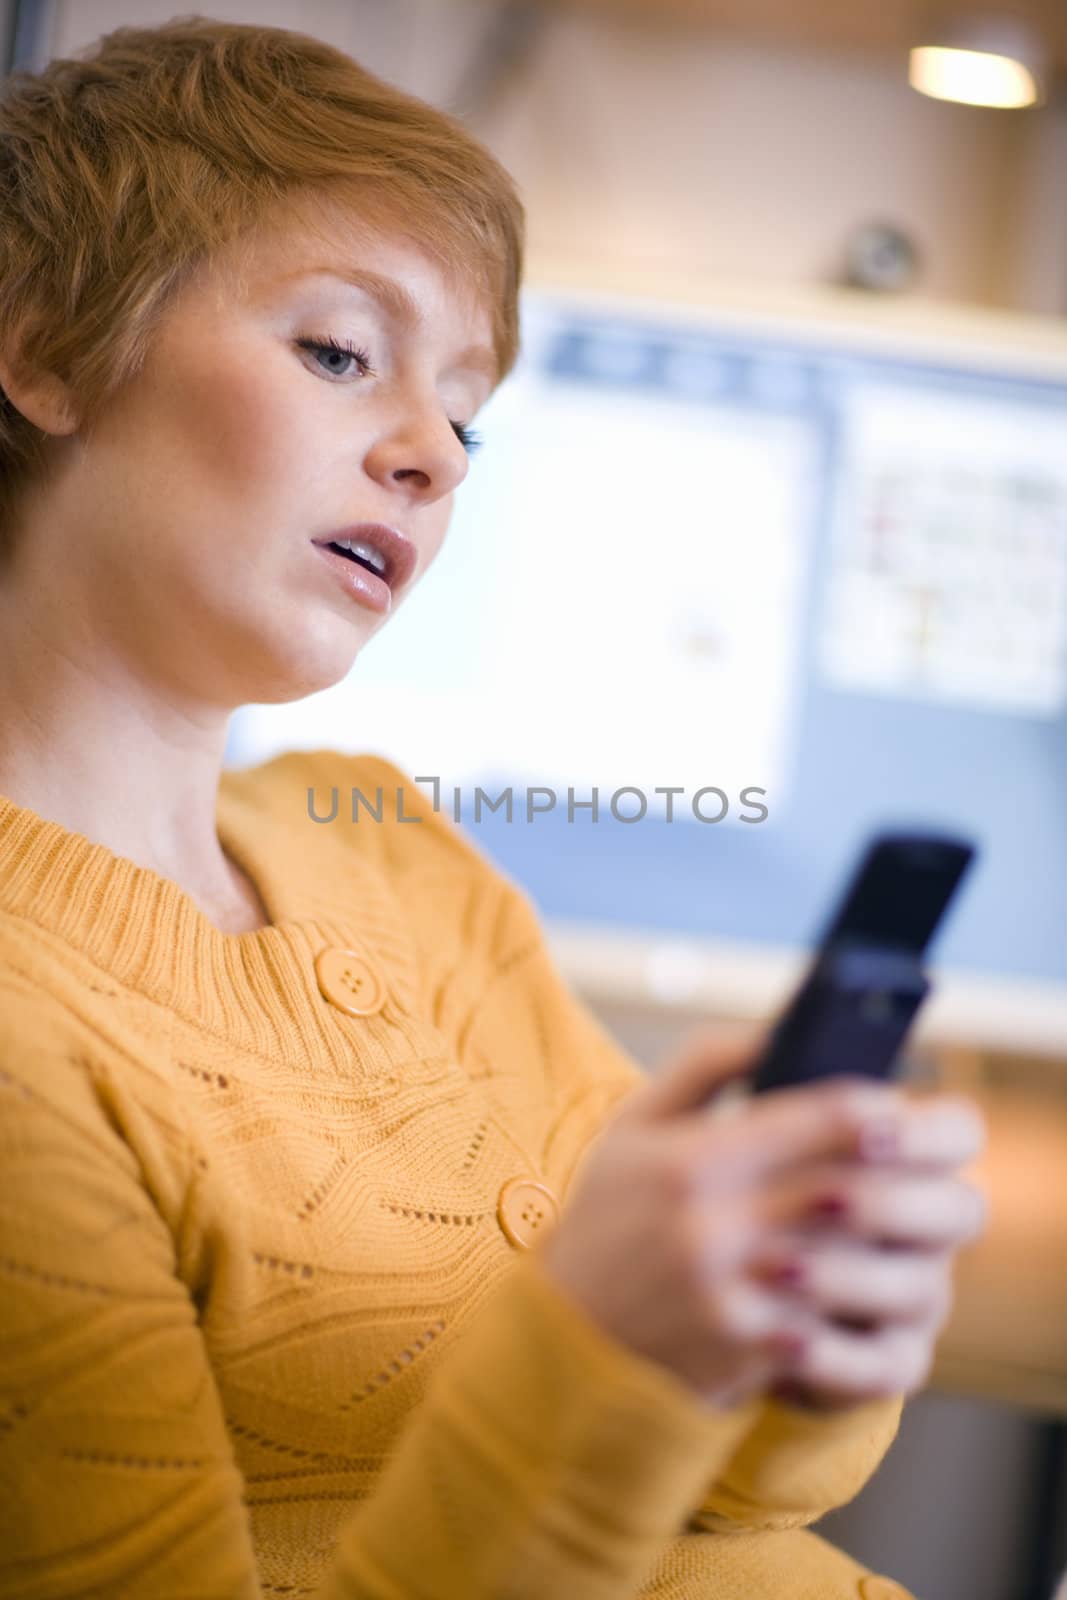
(699, 1070)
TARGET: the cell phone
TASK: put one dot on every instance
(866, 984)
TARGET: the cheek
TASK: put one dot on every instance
(235, 424)
(238, 431)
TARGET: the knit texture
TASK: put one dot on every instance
(262, 1331)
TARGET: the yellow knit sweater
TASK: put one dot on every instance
(273, 1320)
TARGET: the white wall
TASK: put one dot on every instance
(752, 164)
(670, 146)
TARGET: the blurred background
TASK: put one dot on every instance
(773, 508)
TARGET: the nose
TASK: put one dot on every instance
(422, 451)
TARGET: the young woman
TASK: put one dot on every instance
(344, 1254)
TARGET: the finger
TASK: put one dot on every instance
(770, 1325)
(750, 1314)
(896, 1208)
(945, 1132)
(783, 1129)
(896, 1359)
(865, 1283)
(766, 1332)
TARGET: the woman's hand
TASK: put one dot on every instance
(877, 1279)
(672, 1208)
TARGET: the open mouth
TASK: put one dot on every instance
(361, 561)
(383, 551)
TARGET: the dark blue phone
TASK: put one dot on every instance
(866, 983)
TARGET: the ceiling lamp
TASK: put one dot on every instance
(984, 62)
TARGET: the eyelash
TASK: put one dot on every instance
(468, 438)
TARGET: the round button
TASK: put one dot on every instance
(525, 1210)
(349, 982)
(875, 1588)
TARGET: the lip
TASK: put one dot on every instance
(399, 552)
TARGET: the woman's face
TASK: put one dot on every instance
(180, 534)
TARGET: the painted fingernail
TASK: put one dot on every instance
(789, 1390)
(879, 1140)
(830, 1205)
(790, 1272)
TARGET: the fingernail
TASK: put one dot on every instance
(830, 1205)
(879, 1140)
(789, 1390)
(790, 1272)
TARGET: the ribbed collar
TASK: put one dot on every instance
(321, 885)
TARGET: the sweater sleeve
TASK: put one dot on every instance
(545, 1460)
(794, 1465)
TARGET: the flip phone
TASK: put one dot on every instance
(866, 983)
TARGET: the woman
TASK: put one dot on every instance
(303, 1294)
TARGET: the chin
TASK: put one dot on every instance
(290, 673)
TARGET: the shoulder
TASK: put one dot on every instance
(34, 1010)
(72, 1041)
(46, 1049)
(355, 789)
(405, 813)
(402, 821)
(400, 817)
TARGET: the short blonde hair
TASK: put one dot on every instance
(122, 170)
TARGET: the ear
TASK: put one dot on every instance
(42, 398)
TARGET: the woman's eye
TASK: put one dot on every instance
(467, 437)
(346, 352)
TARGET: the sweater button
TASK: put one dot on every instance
(874, 1588)
(349, 982)
(525, 1210)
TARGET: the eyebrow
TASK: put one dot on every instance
(400, 306)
